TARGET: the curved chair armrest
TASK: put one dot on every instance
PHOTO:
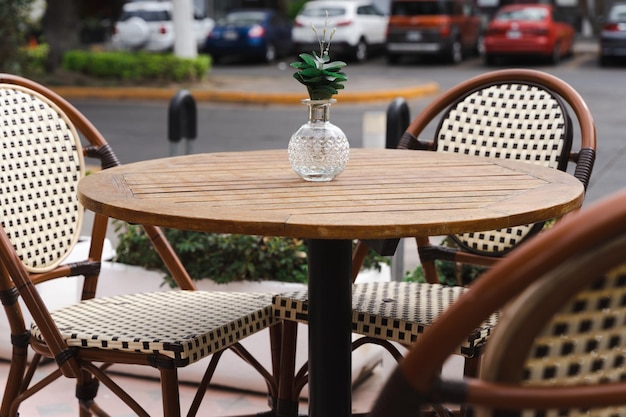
(584, 165)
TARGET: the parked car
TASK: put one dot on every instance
(442, 28)
(359, 27)
(148, 25)
(613, 35)
(255, 33)
(528, 30)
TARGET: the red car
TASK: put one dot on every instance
(529, 30)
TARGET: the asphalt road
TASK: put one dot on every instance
(138, 129)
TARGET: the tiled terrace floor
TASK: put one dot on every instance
(58, 399)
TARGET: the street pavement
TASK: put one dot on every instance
(260, 89)
(249, 86)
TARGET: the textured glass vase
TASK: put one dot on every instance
(319, 150)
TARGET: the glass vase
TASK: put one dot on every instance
(318, 150)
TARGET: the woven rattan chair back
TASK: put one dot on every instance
(517, 114)
(567, 329)
(559, 347)
(507, 120)
(42, 163)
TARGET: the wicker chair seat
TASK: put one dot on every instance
(393, 311)
(183, 325)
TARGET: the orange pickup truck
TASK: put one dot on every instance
(444, 28)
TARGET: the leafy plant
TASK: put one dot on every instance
(224, 257)
(450, 273)
(13, 15)
(137, 66)
(321, 76)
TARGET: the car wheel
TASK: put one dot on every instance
(455, 54)
(270, 53)
(135, 32)
(361, 51)
(604, 61)
(392, 58)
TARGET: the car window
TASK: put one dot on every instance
(528, 14)
(422, 8)
(618, 13)
(321, 12)
(368, 10)
(243, 18)
(147, 15)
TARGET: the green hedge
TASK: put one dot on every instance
(224, 257)
(137, 66)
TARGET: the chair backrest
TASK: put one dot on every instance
(42, 163)
(568, 328)
(508, 114)
(43, 160)
(559, 347)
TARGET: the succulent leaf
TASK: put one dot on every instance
(321, 76)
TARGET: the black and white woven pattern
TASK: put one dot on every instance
(393, 311)
(183, 325)
(584, 343)
(507, 121)
(41, 165)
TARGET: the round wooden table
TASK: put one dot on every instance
(382, 193)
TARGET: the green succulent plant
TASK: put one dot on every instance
(321, 76)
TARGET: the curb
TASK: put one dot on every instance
(238, 96)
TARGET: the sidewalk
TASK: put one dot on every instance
(264, 89)
(280, 89)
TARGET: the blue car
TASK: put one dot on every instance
(260, 34)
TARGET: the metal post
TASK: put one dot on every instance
(182, 121)
(398, 118)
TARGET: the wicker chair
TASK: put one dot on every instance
(513, 114)
(42, 162)
(559, 347)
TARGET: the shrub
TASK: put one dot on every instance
(34, 59)
(224, 257)
(137, 66)
(13, 16)
(450, 273)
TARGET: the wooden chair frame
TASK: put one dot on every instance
(575, 251)
(16, 282)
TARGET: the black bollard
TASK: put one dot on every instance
(182, 121)
(397, 122)
(398, 115)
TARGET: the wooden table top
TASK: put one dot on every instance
(383, 193)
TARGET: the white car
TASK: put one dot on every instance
(360, 27)
(149, 25)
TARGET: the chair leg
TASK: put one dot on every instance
(20, 338)
(428, 265)
(470, 370)
(14, 379)
(170, 392)
(287, 403)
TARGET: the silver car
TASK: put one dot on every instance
(613, 35)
